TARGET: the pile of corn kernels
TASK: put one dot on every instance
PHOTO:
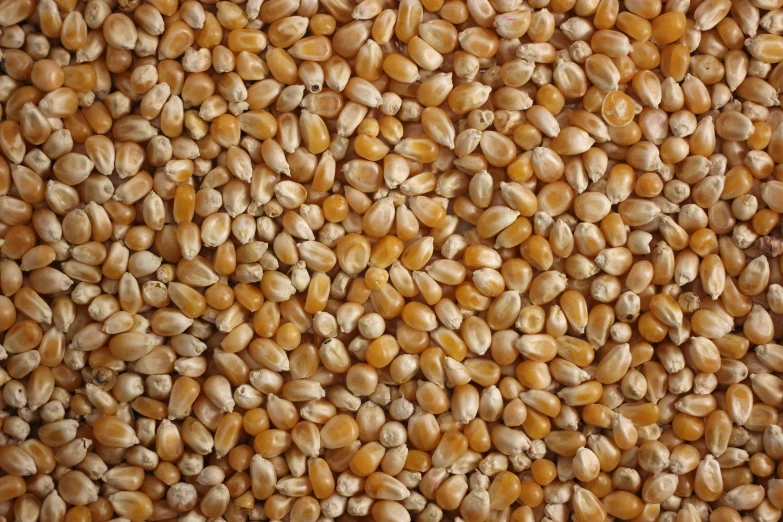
(391, 261)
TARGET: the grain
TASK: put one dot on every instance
(482, 260)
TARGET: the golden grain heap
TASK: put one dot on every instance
(391, 261)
